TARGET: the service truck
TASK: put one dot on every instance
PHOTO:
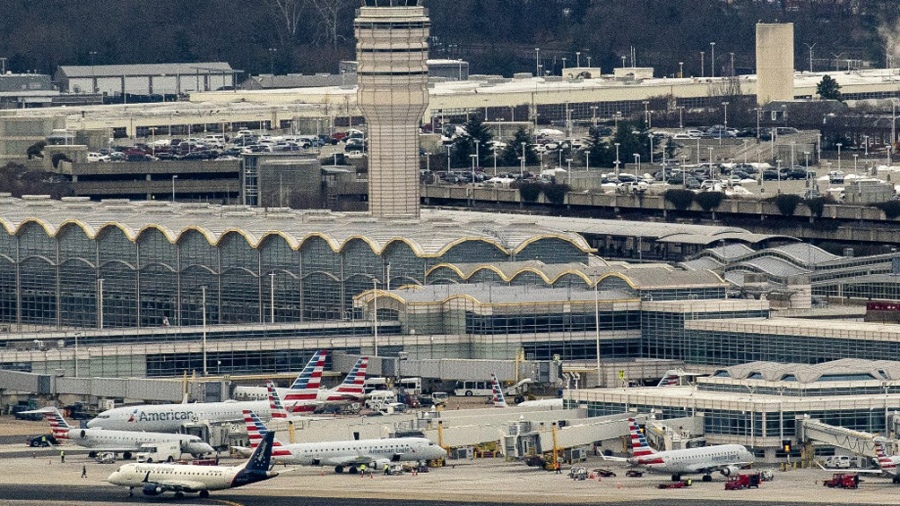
(159, 452)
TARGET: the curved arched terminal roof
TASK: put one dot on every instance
(847, 369)
(429, 237)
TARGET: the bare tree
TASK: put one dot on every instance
(288, 13)
(330, 12)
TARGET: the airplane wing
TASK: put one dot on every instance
(243, 450)
(613, 459)
(859, 471)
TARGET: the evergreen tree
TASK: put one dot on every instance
(599, 151)
(829, 89)
(512, 155)
(632, 139)
(464, 146)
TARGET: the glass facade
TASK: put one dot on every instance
(70, 280)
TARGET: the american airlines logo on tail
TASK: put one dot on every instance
(356, 379)
(133, 417)
(58, 425)
(275, 404)
(885, 462)
(639, 445)
(306, 386)
(257, 430)
(497, 391)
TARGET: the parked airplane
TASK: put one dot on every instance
(120, 441)
(300, 399)
(497, 393)
(726, 459)
(888, 465)
(171, 417)
(155, 479)
(305, 388)
(499, 399)
(345, 454)
(677, 378)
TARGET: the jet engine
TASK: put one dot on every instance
(152, 489)
(730, 470)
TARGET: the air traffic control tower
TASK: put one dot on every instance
(392, 49)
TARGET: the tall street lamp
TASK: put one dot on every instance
(203, 313)
(173, 187)
(712, 59)
(702, 64)
(375, 315)
(617, 159)
(272, 52)
(100, 303)
(839, 154)
(637, 167)
(522, 169)
(537, 61)
(725, 105)
(577, 59)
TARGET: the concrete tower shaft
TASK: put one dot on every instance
(391, 51)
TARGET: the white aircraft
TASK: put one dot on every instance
(345, 454)
(499, 400)
(171, 417)
(306, 396)
(119, 441)
(726, 459)
(154, 479)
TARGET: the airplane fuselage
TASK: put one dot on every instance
(122, 440)
(344, 452)
(694, 460)
(171, 417)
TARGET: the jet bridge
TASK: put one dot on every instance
(810, 430)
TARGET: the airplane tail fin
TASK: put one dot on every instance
(498, 398)
(261, 459)
(275, 404)
(672, 378)
(58, 425)
(257, 431)
(639, 445)
(306, 386)
(884, 462)
(354, 382)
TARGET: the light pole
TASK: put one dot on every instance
(637, 161)
(810, 46)
(100, 303)
(646, 113)
(681, 69)
(577, 59)
(855, 158)
(94, 87)
(732, 64)
(712, 59)
(76, 353)
(203, 312)
(569, 171)
(893, 128)
(597, 327)
(272, 52)
(448, 159)
(375, 315)
(564, 65)
(710, 159)
(839, 154)
(680, 116)
(806, 154)
(617, 159)
(594, 115)
(271, 297)
(473, 157)
(522, 169)
(589, 61)
(494, 149)
(725, 105)
(173, 187)
(537, 61)
(702, 64)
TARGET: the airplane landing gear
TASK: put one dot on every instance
(204, 494)
(707, 477)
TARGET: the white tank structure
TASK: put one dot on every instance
(392, 75)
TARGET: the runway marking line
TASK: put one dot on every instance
(222, 501)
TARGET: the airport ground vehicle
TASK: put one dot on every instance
(159, 452)
(842, 480)
(676, 484)
(742, 481)
(42, 440)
